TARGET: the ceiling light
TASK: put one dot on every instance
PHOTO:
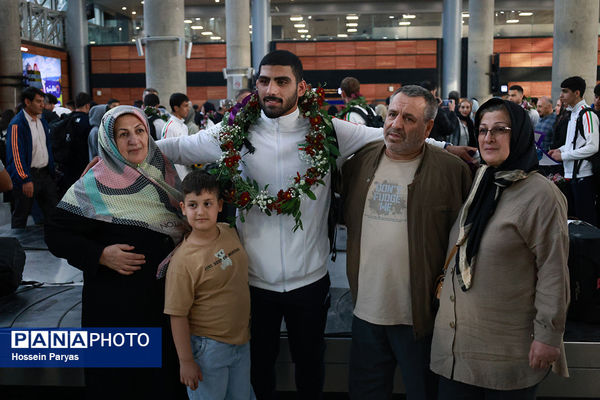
(250, 26)
(512, 21)
(197, 19)
(501, 12)
(123, 8)
(26, 49)
(351, 29)
(216, 1)
(120, 28)
(302, 36)
(137, 27)
(525, 14)
(309, 17)
(466, 15)
(215, 37)
(404, 23)
(299, 25)
(296, 18)
(302, 30)
(187, 21)
(207, 33)
(391, 17)
(212, 18)
(142, 2)
(351, 17)
(351, 24)
(196, 27)
(133, 12)
(342, 35)
(409, 16)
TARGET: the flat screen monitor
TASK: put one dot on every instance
(43, 73)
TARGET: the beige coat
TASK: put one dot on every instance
(520, 292)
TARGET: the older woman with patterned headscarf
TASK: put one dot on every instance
(503, 305)
(116, 224)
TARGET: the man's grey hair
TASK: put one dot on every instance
(547, 99)
(431, 104)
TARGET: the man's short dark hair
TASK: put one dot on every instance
(517, 88)
(151, 100)
(574, 83)
(82, 99)
(50, 99)
(428, 85)
(284, 57)
(454, 95)
(431, 104)
(199, 181)
(30, 93)
(597, 90)
(177, 99)
(109, 102)
(208, 107)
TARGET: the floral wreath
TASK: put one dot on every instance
(319, 150)
(357, 100)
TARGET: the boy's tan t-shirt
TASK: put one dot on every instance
(209, 285)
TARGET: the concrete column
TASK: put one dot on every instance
(237, 19)
(451, 38)
(481, 47)
(575, 48)
(261, 30)
(11, 64)
(165, 64)
(77, 45)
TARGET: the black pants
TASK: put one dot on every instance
(375, 352)
(305, 313)
(584, 193)
(44, 192)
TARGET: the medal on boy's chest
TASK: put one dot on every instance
(225, 260)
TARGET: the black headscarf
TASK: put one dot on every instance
(489, 184)
(470, 128)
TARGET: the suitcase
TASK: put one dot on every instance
(12, 262)
(584, 272)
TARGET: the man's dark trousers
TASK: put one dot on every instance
(44, 192)
(584, 194)
(305, 313)
(375, 352)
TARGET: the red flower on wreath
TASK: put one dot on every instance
(231, 161)
(244, 199)
(315, 121)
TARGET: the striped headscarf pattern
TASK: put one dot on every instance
(114, 190)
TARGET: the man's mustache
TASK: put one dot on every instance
(272, 98)
(394, 131)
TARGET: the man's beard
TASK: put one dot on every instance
(276, 112)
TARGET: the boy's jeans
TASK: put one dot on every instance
(225, 370)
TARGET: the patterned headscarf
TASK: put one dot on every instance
(146, 195)
(488, 185)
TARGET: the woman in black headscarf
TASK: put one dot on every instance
(503, 305)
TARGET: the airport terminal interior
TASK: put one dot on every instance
(210, 49)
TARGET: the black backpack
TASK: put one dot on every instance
(371, 119)
(151, 120)
(593, 159)
(60, 133)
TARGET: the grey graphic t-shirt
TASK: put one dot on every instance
(384, 275)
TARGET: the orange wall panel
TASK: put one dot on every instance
(406, 62)
(406, 47)
(287, 46)
(365, 62)
(215, 64)
(216, 92)
(215, 50)
(325, 63)
(385, 62)
(306, 49)
(345, 62)
(345, 49)
(325, 48)
(541, 45)
(426, 61)
(501, 45)
(519, 45)
(364, 48)
(119, 67)
(195, 65)
(137, 66)
(119, 52)
(520, 60)
(100, 53)
(100, 67)
(426, 47)
(541, 59)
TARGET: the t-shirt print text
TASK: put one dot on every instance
(388, 200)
(223, 259)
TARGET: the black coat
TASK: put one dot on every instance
(114, 300)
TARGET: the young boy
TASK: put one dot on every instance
(208, 298)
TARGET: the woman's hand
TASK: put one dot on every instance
(541, 355)
(190, 374)
(119, 258)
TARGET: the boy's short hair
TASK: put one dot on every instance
(151, 100)
(177, 99)
(574, 83)
(597, 90)
(199, 181)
